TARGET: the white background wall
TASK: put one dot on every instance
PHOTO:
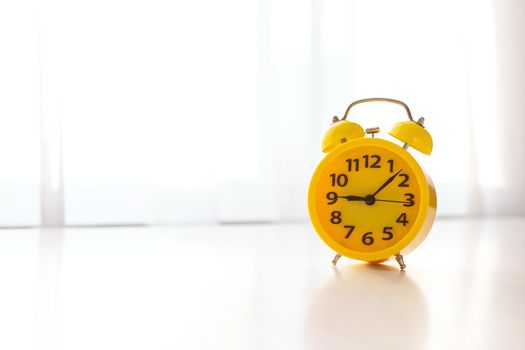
(159, 112)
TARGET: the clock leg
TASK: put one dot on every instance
(336, 258)
(400, 261)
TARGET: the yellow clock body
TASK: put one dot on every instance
(359, 224)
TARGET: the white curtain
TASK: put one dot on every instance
(19, 114)
(159, 112)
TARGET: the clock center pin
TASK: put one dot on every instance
(370, 199)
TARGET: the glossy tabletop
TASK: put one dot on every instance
(259, 287)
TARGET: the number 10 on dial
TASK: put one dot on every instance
(369, 198)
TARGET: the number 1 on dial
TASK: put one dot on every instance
(391, 164)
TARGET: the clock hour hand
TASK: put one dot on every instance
(387, 182)
(353, 198)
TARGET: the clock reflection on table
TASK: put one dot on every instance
(368, 306)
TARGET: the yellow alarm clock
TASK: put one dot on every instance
(368, 198)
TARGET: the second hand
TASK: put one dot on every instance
(391, 201)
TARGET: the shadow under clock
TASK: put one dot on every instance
(368, 306)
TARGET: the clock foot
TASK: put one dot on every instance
(336, 258)
(400, 261)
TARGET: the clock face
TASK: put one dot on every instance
(367, 198)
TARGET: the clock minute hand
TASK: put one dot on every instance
(387, 182)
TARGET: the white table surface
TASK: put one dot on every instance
(259, 287)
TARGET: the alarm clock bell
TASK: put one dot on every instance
(414, 135)
(339, 132)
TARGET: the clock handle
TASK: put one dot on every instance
(412, 133)
(379, 99)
